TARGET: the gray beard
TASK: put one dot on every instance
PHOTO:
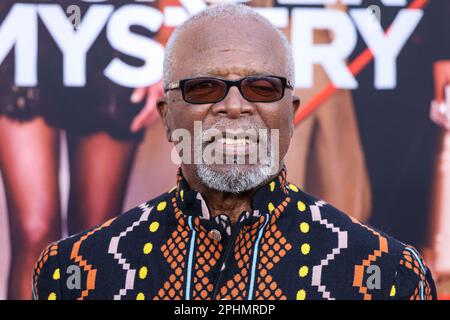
(234, 180)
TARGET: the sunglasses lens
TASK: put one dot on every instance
(262, 89)
(204, 90)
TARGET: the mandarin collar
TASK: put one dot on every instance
(264, 200)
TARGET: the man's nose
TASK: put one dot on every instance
(234, 105)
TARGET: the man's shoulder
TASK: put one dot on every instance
(138, 220)
(357, 234)
(98, 247)
(356, 251)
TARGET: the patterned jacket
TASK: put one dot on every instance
(292, 246)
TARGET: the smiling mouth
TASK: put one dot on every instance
(234, 142)
(234, 146)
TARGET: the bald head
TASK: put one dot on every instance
(208, 40)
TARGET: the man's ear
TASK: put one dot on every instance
(163, 110)
(295, 106)
(295, 103)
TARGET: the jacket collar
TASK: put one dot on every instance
(267, 199)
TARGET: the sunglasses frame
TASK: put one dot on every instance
(285, 83)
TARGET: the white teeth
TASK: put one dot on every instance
(234, 142)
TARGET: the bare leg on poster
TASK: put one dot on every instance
(29, 159)
(99, 171)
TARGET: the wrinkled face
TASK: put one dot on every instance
(230, 48)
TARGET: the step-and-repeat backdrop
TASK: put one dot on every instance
(81, 141)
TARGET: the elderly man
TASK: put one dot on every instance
(233, 230)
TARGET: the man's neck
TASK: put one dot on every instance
(220, 202)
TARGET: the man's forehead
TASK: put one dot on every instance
(220, 47)
(226, 70)
(222, 60)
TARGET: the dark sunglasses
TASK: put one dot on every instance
(205, 90)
